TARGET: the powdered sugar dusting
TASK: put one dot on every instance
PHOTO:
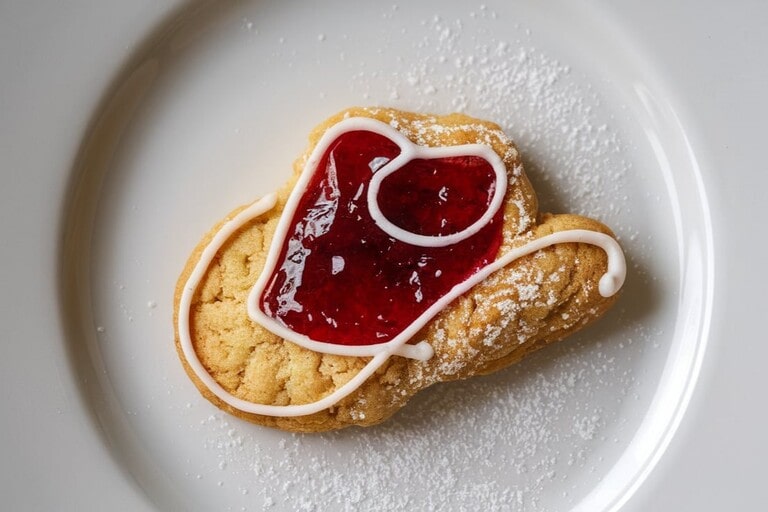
(534, 97)
(233, 90)
(444, 451)
(504, 442)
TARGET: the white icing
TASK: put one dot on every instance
(609, 283)
(384, 168)
(420, 351)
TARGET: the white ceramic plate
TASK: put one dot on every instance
(202, 108)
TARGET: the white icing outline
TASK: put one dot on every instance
(408, 151)
(190, 355)
(609, 283)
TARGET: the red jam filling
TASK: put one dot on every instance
(340, 279)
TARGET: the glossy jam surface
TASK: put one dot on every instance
(341, 279)
(438, 197)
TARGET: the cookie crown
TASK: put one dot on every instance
(306, 295)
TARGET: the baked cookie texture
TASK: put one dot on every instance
(534, 301)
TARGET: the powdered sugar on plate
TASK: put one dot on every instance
(548, 108)
(488, 443)
(505, 442)
(538, 436)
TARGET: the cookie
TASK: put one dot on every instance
(405, 250)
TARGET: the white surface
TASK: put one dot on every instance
(106, 414)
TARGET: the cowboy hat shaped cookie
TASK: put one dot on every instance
(406, 250)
